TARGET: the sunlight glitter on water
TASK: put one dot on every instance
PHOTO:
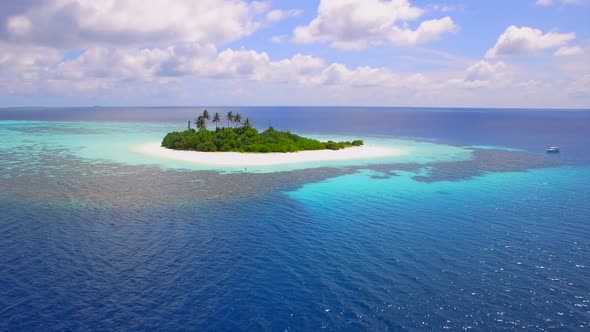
(445, 237)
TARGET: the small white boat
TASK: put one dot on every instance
(552, 149)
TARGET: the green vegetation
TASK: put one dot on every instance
(243, 138)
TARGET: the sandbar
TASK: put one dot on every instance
(237, 159)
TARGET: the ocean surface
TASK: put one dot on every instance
(475, 228)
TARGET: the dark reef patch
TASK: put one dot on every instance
(70, 180)
(483, 161)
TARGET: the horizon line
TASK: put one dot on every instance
(304, 106)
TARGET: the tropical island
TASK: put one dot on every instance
(239, 145)
(243, 137)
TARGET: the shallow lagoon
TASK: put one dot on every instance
(118, 143)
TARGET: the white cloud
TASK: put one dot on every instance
(26, 62)
(237, 64)
(101, 62)
(108, 72)
(339, 74)
(580, 88)
(427, 31)
(276, 15)
(547, 3)
(442, 8)
(299, 69)
(368, 77)
(128, 51)
(172, 63)
(87, 86)
(278, 39)
(481, 75)
(19, 25)
(109, 67)
(569, 51)
(583, 83)
(124, 22)
(485, 71)
(356, 24)
(527, 40)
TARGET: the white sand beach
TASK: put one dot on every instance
(236, 159)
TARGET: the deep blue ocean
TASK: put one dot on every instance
(476, 228)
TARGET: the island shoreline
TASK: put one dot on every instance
(242, 159)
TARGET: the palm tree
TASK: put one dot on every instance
(237, 119)
(216, 119)
(230, 117)
(247, 124)
(201, 123)
(206, 115)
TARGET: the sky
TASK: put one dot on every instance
(463, 53)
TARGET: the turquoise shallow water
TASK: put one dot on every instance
(483, 251)
(472, 229)
(119, 142)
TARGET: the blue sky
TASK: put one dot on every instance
(525, 53)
